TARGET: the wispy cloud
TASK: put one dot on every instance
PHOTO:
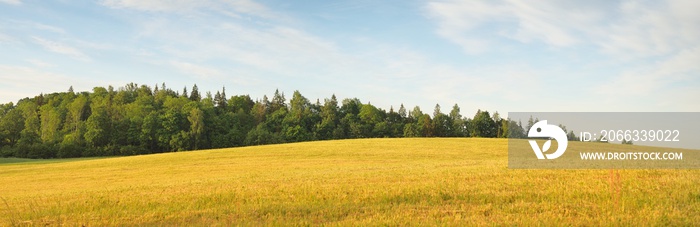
(511, 51)
(456, 18)
(628, 28)
(61, 48)
(648, 47)
(471, 24)
(35, 25)
(196, 70)
(656, 29)
(20, 82)
(280, 55)
(11, 2)
(155, 5)
(40, 63)
(5, 38)
(230, 8)
(655, 78)
(276, 49)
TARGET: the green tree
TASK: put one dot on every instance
(260, 135)
(394, 123)
(77, 113)
(505, 131)
(244, 103)
(195, 95)
(442, 124)
(171, 126)
(259, 111)
(51, 122)
(97, 127)
(329, 120)
(411, 130)
(149, 132)
(297, 123)
(458, 122)
(350, 106)
(278, 102)
(196, 119)
(220, 100)
(425, 125)
(352, 126)
(530, 123)
(515, 129)
(135, 119)
(415, 114)
(369, 114)
(571, 136)
(402, 111)
(483, 125)
(11, 125)
(30, 134)
(184, 92)
(498, 124)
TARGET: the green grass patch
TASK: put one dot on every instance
(43, 161)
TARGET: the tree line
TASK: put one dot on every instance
(135, 119)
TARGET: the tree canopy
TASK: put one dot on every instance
(137, 119)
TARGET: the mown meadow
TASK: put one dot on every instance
(408, 181)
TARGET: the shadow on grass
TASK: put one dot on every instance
(11, 161)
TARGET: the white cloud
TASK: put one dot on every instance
(630, 29)
(231, 7)
(16, 24)
(48, 28)
(155, 5)
(196, 70)
(40, 63)
(649, 49)
(655, 78)
(280, 50)
(474, 25)
(546, 23)
(19, 82)
(250, 7)
(11, 2)
(61, 48)
(457, 17)
(5, 38)
(280, 54)
(651, 29)
(19, 77)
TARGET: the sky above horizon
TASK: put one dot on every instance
(528, 56)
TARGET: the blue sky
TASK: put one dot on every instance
(494, 55)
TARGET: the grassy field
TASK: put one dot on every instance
(347, 182)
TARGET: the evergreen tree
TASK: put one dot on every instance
(278, 102)
(402, 111)
(195, 95)
(329, 120)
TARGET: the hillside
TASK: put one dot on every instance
(453, 181)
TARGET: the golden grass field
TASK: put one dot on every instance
(417, 181)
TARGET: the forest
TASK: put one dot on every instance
(133, 120)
